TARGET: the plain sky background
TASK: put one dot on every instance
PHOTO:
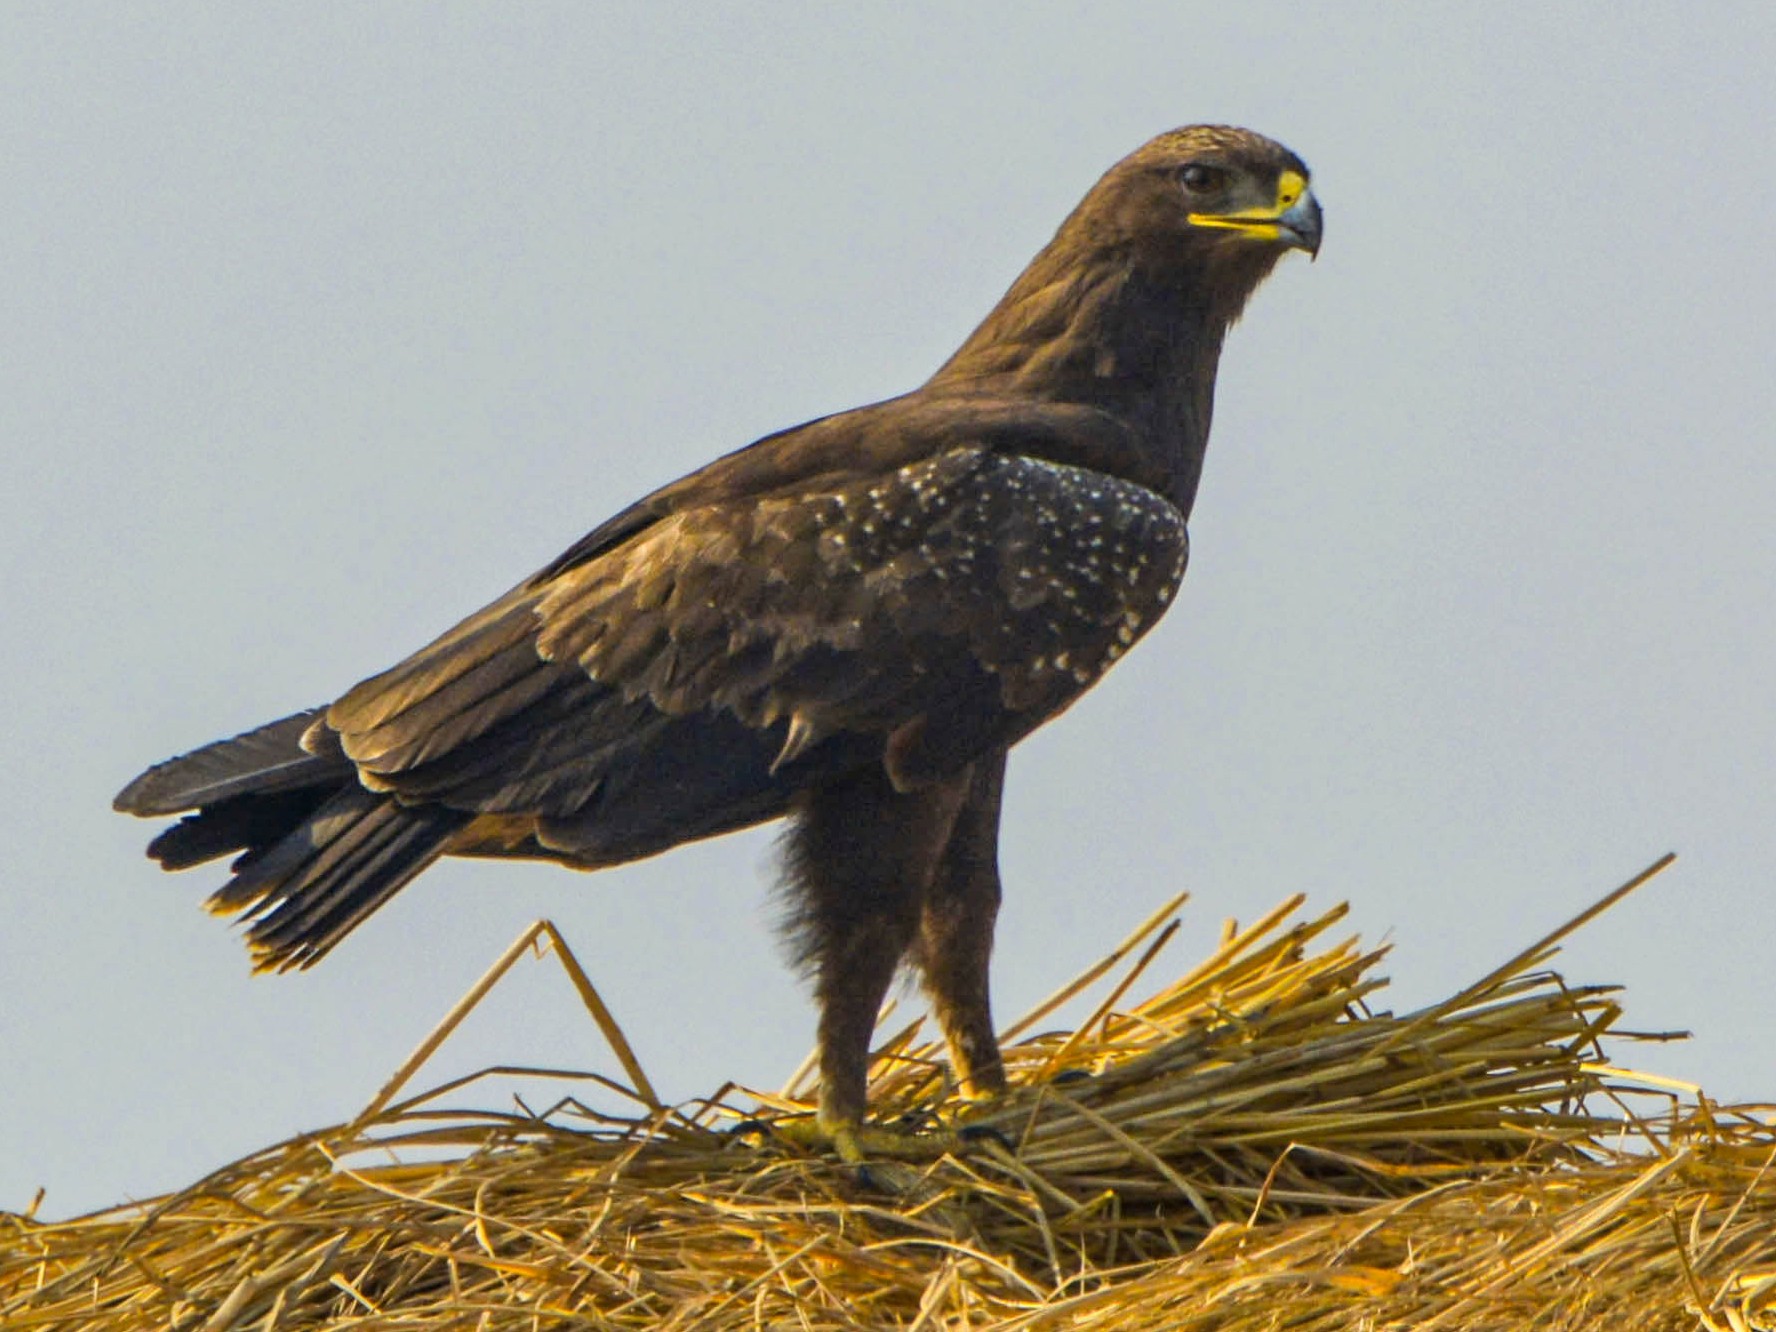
(324, 325)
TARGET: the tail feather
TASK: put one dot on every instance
(306, 892)
(268, 864)
(240, 823)
(319, 851)
(261, 761)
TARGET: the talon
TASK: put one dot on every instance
(918, 1121)
(979, 1133)
(855, 1143)
(864, 1142)
(751, 1128)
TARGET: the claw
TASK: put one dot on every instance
(970, 1134)
(880, 1156)
(918, 1137)
(761, 1129)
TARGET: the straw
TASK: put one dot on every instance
(1253, 1145)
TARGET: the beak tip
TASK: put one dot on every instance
(1304, 225)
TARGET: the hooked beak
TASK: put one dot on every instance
(1299, 226)
(1293, 220)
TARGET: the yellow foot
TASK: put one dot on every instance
(857, 1143)
(880, 1153)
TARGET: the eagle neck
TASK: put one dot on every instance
(1137, 338)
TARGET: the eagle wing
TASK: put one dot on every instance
(904, 600)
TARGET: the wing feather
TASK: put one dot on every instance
(703, 661)
(268, 759)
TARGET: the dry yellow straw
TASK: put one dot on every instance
(1254, 1147)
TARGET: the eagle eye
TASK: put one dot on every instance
(1201, 178)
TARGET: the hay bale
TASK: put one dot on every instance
(1254, 1148)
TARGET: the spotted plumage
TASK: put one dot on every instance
(848, 623)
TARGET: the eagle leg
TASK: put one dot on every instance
(861, 859)
(955, 940)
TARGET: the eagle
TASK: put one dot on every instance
(846, 625)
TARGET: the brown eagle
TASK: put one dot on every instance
(847, 624)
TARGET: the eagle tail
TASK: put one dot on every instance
(319, 852)
(239, 823)
(305, 891)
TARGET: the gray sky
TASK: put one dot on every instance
(323, 326)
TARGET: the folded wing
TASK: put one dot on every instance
(913, 598)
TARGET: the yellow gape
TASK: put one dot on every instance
(1260, 223)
